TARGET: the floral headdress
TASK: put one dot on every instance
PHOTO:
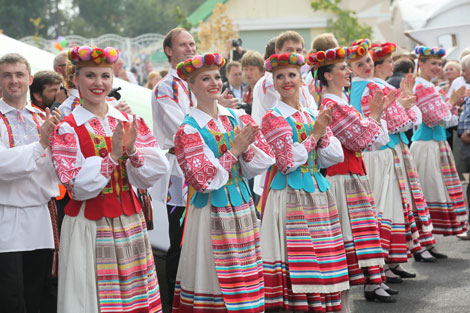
(382, 51)
(198, 63)
(430, 53)
(330, 56)
(323, 58)
(284, 60)
(86, 56)
(358, 49)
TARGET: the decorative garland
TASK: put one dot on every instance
(284, 60)
(184, 69)
(98, 56)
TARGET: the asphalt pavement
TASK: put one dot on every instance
(442, 287)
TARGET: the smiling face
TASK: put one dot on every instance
(94, 83)
(287, 82)
(206, 85)
(430, 68)
(339, 76)
(14, 81)
(363, 67)
(182, 48)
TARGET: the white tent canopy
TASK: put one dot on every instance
(136, 96)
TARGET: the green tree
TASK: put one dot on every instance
(15, 17)
(345, 25)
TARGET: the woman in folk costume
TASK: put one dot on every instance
(303, 252)
(221, 268)
(100, 154)
(348, 179)
(434, 160)
(410, 185)
(398, 231)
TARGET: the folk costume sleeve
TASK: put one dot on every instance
(278, 133)
(20, 161)
(149, 163)
(201, 168)
(259, 155)
(354, 132)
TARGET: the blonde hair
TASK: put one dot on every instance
(455, 64)
(70, 70)
(150, 76)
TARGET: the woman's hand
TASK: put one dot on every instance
(406, 86)
(244, 138)
(378, 103)
(117, 142)
(48, 126)
(227, 100)
(322, 122)
(130, 135)
(457, 97)
(124, 107)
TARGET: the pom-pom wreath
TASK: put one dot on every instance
(87, 56)
(330, 56)
(358, 49)
(382, 51)
(284, 60)
(428, 52)
(184, 69)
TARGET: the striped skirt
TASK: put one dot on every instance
(358, 218)
(415, 196)
(304, 260)
(441, 186)
(106, 266)
(220, 267)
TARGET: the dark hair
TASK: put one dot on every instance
(321, 73)
(270, 48)
(41, 80)
(404, 66)
(378, 62)
(167, 41)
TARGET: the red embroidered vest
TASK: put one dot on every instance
(352, 164)
(117, 197)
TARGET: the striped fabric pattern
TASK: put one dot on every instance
(411, 230)
(454, 188)
(279, 294)
(419, 207)
(363, 220)
(393, 240)
(238, 264)
(237, 256)
(127, 280)
(315, 249)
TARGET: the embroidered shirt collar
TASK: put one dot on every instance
(5, 107)
(74, 92)
(426, 83)
(82, 115)
(341, 101)
(202, 118)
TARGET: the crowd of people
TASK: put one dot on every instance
(300, 176)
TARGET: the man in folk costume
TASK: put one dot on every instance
(26, 228)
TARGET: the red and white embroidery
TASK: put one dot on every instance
(107, 166)
(429, 101)
(354, 132)
(97, 127)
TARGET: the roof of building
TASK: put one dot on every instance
(203, 11)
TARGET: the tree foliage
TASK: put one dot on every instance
(345, 25)
(214, 33)
(93, 18)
